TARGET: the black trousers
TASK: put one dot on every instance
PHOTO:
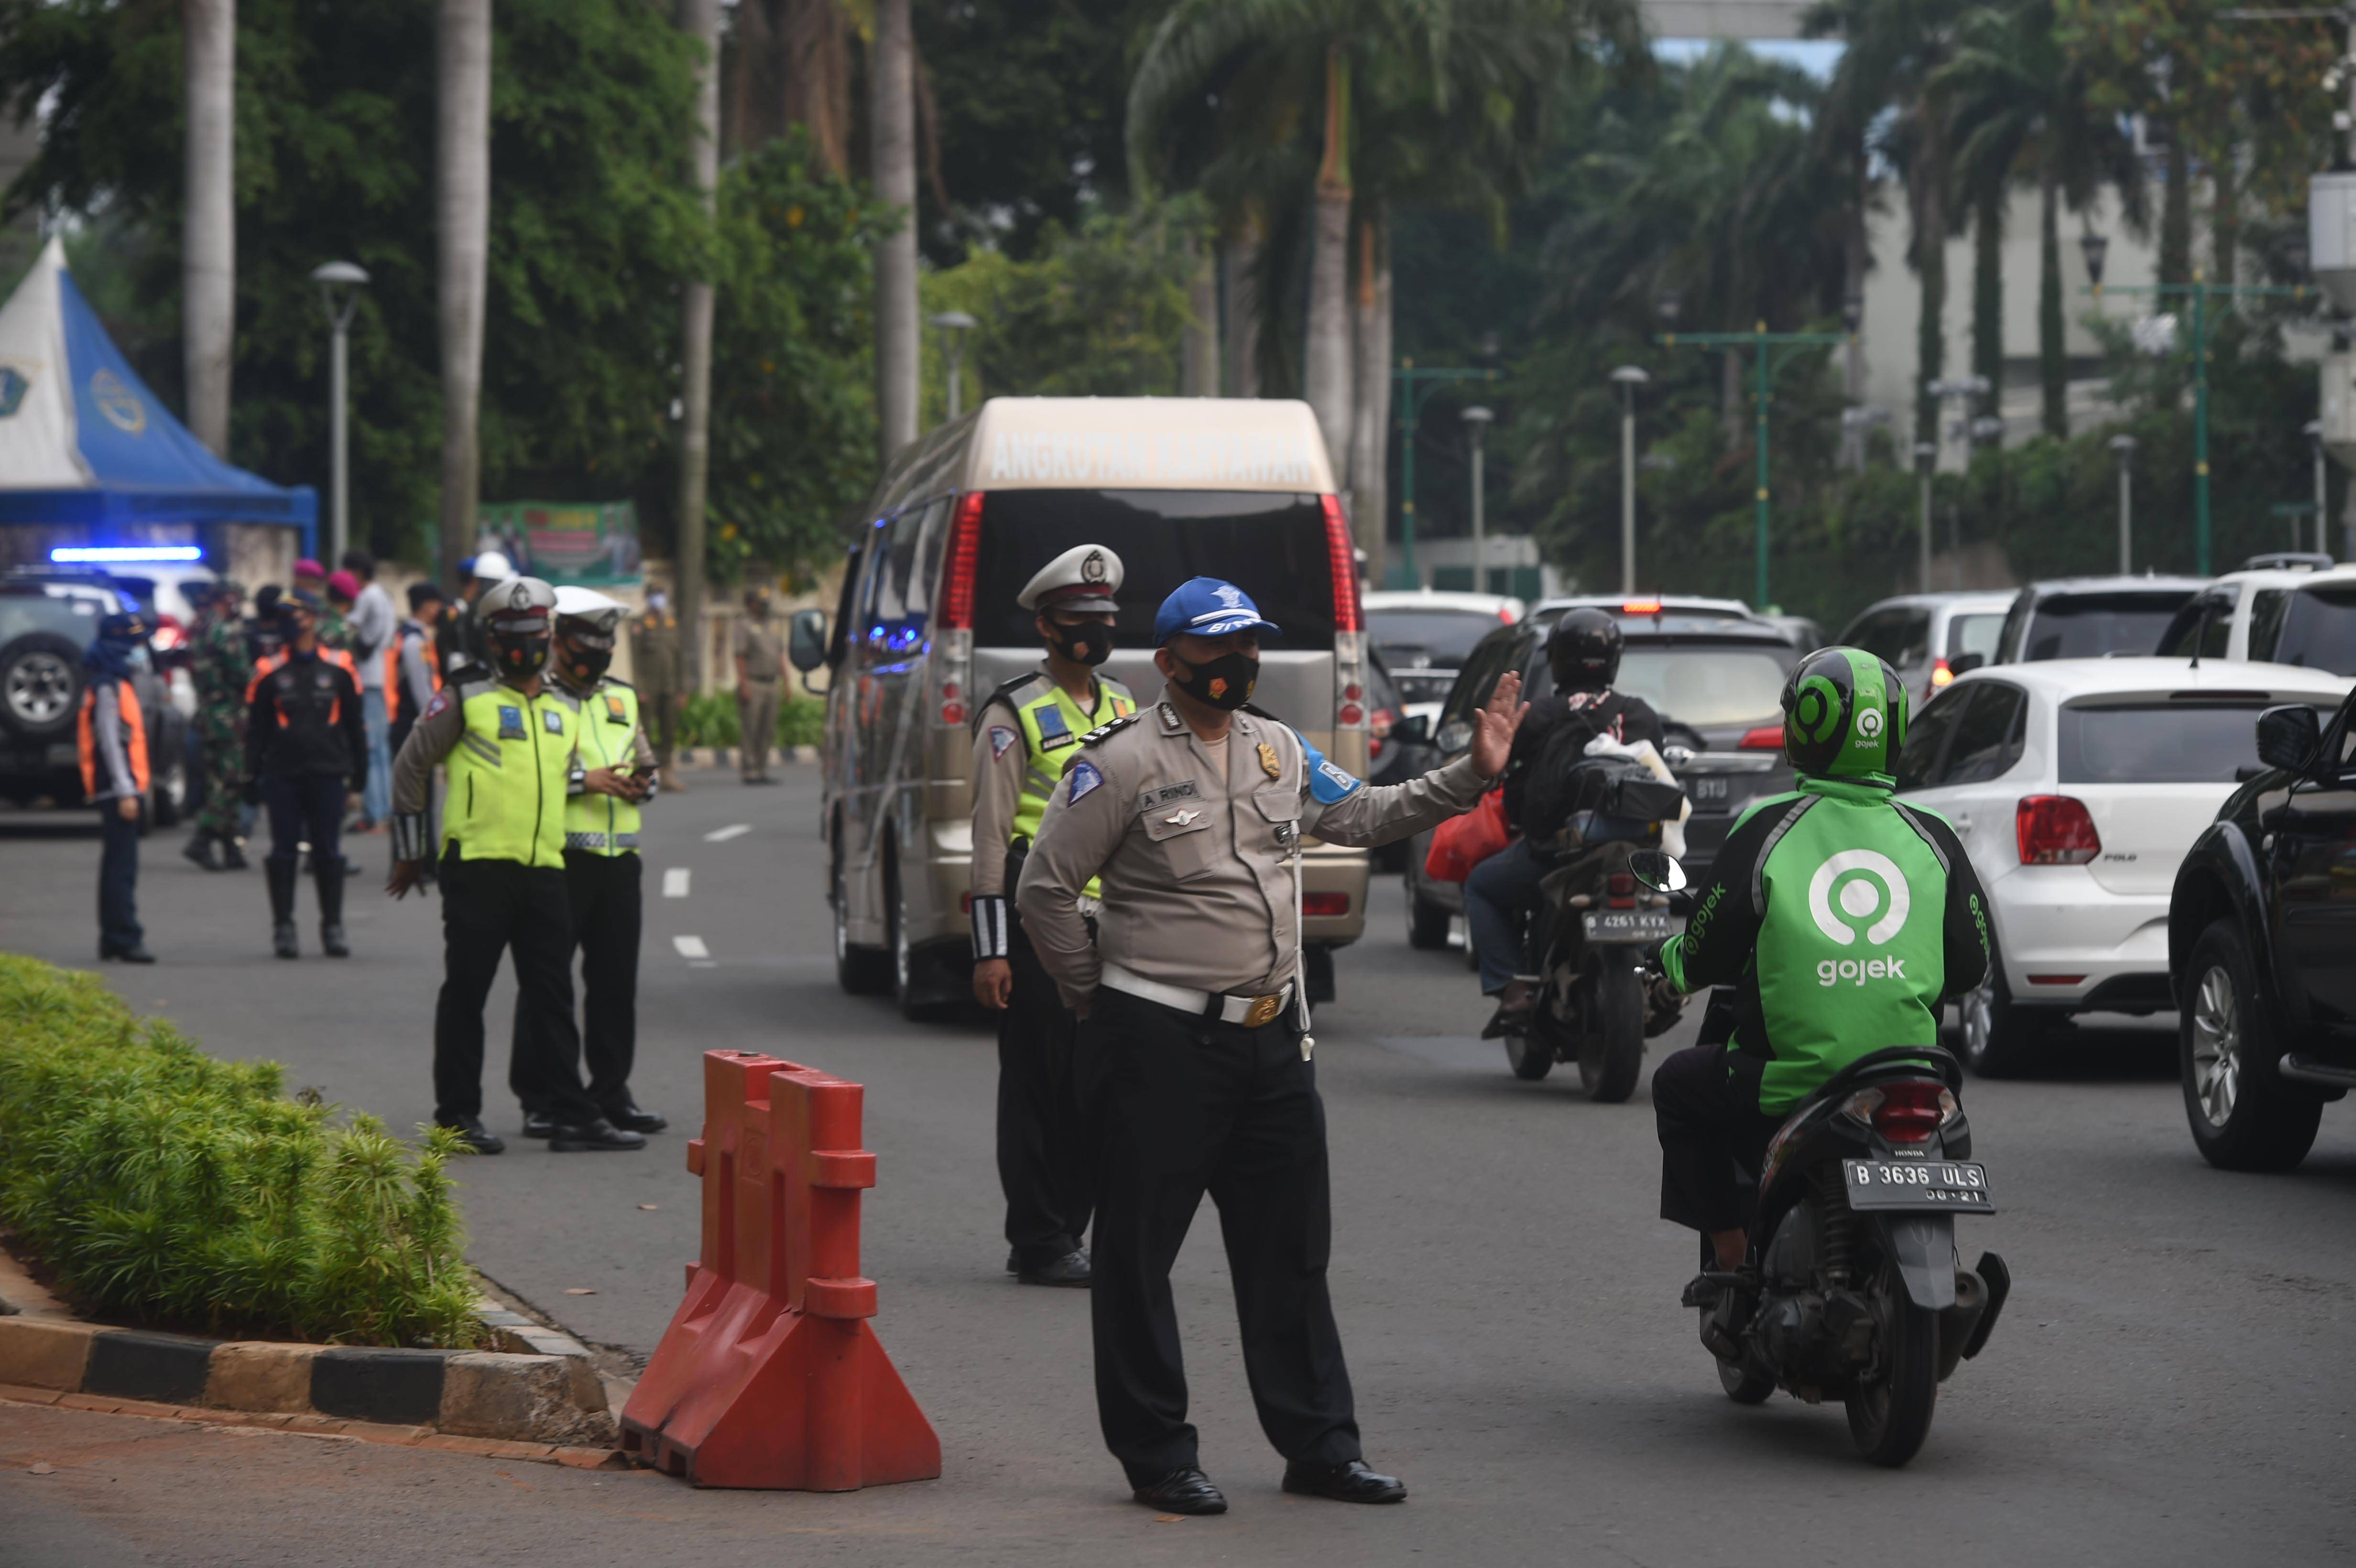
(1183, 1106)
(306, 808)
(119, 930)
(1705, 1108)
(603, 892)
(489, 907)
(1044, 1153)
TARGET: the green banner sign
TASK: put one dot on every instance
(591, 544)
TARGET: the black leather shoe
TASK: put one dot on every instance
(594, 1137)
(539, 1125)
(475, 1135)
(203, 851)
(1182, 1491)
(635, 1118)
(1071, 1269)
(1355, 1482)
(132, 955)
(1014, 1261)
(1705, 1288)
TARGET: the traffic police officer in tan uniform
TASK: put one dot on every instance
(1195, 1039)
(1024, 734)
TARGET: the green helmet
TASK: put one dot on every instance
(1844, 715)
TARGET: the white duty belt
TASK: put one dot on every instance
(1249, 1011)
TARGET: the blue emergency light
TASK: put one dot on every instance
(108, 554)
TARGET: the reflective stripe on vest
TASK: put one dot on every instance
(135, 737)
(508, 774)
(606, 823)
(1052, 727)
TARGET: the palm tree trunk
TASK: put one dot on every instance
(699, 19)
(1987, 296)
(462, 190)
(1857, 253)
(1198, 342)
(1370, 413)
(1238, 258)
(892, 136)
(2052, 353)
(208, 227)
(814, 72)
(1930, 262)
(1326, 373)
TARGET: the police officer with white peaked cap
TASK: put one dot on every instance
(1195, 1043)
(1024, 735)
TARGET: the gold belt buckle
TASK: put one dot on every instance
(1263, 1009)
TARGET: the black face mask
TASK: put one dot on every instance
(519, 658)
(1224, 682)
(585, 662)
(1090, 643)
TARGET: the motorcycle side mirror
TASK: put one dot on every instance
(1657, 869)
(2288, 736)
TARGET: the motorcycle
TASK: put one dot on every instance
(1595, 923)
(1852, 1288)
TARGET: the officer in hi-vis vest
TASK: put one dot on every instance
(602, 868)
(1024, 734)
(508, 741)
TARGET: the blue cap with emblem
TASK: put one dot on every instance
(1208, 607)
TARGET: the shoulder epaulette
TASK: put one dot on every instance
(1005, 693)
(617, 680)
(1258, 712)
(1114, 727)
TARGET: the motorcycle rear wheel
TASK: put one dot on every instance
(1612, 1052)
(1889, 1417)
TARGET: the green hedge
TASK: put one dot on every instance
(710, 721)
(167, 1187)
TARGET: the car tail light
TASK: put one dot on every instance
(1619, 890)
(1940, 674)
(1505, 613)
(964, 561)
(2055, 830)
(965, 903)
(1324, 903)
(1766, 738)
(1904, 1112)
(1641, 607)
(1341, 559)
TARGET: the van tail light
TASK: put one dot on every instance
(1940, 674)
(964, 561)
(1766, 738)
(1342, 560)
(1905, 1112)
(1322, 904)
(2055, 830)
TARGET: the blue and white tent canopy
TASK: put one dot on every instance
(83, 442)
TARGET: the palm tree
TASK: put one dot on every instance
(462, 201)
(701, 20)
(892, 137)
(2022, 107)
(209, 242)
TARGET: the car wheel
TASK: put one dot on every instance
(862, 971)
(1997, 1038)
(2244, 1116)
(40, 684)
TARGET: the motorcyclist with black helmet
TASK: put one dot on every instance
(1583, 654)
(1842, 918)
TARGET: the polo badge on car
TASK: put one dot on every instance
(1858, 898)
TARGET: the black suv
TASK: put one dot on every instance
(2262, 948)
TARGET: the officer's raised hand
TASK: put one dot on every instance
(1493, 725)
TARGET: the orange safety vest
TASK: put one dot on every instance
(270, 664)
(134, 737)
(393, 673)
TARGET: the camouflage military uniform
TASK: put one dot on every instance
(221, 666)
(333, 631)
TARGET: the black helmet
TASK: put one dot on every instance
(1844, 715)
(1584, 651)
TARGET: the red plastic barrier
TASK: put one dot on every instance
(769, 1375)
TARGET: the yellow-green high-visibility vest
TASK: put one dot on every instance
(1052, 727)
(605, 824)
(508, 774)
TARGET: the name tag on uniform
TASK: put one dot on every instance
(615, 712)
(1147, 799)
(551, 720)
(511, 723)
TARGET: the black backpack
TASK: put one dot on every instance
(1564, 780)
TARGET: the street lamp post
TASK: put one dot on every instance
(1926, 457)
(2124, 447)
(2314, 434)
(1954, 388)
(1476, 424)
(1629, 377)
(1855, 422)
(953, 326)
(340, 284)
(1414, 385)
(1765, 362)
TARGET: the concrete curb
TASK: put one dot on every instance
(538, 1387)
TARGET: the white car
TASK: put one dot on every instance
(1930, 638)
(2299, 616)
(2077, 786)
(1423, 633)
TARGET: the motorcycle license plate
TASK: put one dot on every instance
(1924, 1187)
(1629, 925)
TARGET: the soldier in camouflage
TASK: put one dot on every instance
(221, 664)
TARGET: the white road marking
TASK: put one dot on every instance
(675, 882)
(690, 948)
(734, 830)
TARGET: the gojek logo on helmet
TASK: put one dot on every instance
(1859, 894)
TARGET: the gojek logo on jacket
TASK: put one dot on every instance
(1859, 897)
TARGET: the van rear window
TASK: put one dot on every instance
(1270, 546)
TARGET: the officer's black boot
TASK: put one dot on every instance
(329, 876)
(232, 857)
(204, 849)
(281, 906)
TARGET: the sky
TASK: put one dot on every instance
(1815, 56)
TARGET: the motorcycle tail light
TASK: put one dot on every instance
(1620, 889)
(1909, 1113)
